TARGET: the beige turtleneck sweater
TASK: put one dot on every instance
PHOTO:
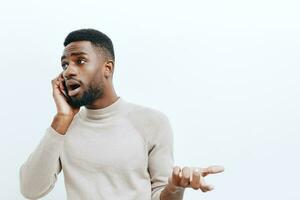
(120, 152)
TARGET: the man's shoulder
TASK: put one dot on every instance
(146, 114)
(152, 123)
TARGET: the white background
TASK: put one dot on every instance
(226, 73)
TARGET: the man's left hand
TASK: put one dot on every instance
(192, 177)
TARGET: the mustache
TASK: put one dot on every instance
(74, 79)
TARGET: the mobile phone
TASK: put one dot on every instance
(65, 93)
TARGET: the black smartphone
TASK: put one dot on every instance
(68, 99)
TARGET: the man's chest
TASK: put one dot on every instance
(115, 147)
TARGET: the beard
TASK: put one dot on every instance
(88, 97)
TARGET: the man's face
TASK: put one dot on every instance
(82, 64)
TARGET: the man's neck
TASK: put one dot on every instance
(107, 99)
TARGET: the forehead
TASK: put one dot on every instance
(79, 46)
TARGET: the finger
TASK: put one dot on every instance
(212, 170)
(54, 80)
(57, 86)
(195, 183)
(176, 175)
(185, 179)
(61, 80)
(55, 83)
(204, 186)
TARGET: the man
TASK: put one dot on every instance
(110, 148)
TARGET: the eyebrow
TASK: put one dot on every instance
(74, 54)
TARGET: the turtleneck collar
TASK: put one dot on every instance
(102, 113)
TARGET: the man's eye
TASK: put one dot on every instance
(64, 65)
(80, 61)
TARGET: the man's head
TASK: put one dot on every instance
(88, 65)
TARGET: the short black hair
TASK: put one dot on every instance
(97, 38)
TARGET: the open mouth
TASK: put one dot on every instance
(73, 88)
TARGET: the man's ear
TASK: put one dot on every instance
(109, 68)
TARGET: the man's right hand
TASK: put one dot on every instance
(62, 106)
(65, 112)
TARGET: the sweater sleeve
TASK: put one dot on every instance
(161, 160)
(39, 173)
